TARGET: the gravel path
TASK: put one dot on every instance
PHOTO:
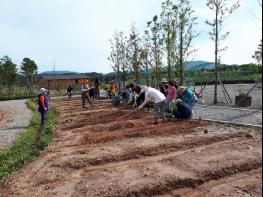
(234, 115)
(18, 118)
(233, 90)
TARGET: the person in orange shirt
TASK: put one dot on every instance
(42, 105)
(113, 89)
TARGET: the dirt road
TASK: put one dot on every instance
(93, 155)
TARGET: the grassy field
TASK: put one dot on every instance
(25, 148)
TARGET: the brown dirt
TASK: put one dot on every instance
(93, 155)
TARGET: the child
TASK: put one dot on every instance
(42, 105)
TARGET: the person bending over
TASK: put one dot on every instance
(157, 97)
(182, 110)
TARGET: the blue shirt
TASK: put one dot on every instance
(187, 97)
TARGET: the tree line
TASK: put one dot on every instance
(167, 43)
(9, 74)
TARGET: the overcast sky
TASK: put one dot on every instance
(74, 34)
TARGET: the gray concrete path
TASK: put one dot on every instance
(229, 114)
(19, 117)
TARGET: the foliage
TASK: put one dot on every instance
(8, 73)
(153, 45)
(119, 56)
(24, 149)
(258, 56)
(29, 69)
(134, 50)
(184, 27)
(168, 22)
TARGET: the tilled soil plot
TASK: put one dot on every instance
(95, 155)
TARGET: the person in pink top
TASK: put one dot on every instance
(171, 93)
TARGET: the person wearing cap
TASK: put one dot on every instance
(181, 110)
(42, 105)
(187, 96)
(84, 93)
(157, 97)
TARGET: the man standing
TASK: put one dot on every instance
(97, 88)
(159, 101)
(85, 94)
(69, 91)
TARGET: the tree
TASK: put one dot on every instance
(124, 58)
(154, 42)
(8, 72)
(258, 56)
(220, 9)
(134, 53)
(168, 22)
(1, 78)
(185, 23)
(29, 69)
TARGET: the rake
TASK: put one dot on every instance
(126, 115)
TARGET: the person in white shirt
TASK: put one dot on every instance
(157, 97)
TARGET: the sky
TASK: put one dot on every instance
(74, 35)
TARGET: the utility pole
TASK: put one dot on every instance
(54, 75)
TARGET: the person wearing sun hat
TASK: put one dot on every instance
(181, 110)
(187, 96)
(42, 104)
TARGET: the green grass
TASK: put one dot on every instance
(225, 76)
(24, 149)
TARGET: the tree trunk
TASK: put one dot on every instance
(181, 58)
(147, 77)
(168, 56)
(118, 76)
(216, 55)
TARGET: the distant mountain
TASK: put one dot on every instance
(198, 65)
(58, 73)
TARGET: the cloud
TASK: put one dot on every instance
(75, 33)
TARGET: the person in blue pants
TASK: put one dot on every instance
(42, 105)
